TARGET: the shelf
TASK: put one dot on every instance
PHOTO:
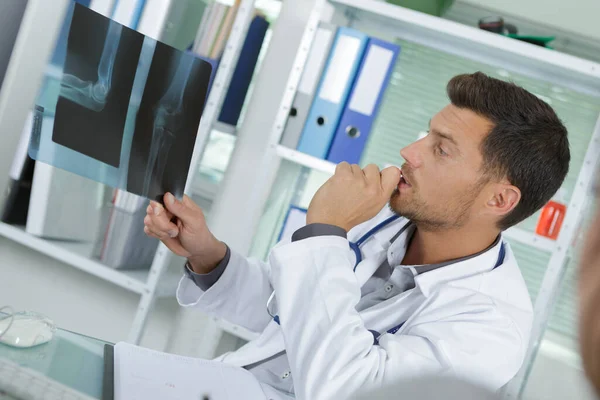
(305, 160)
(236, 330)
(224, 128)
(470, 42)
(78, 255)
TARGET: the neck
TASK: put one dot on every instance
(434, 247)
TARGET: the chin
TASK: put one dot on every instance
(397, 204)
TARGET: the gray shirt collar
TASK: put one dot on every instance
(421, 269)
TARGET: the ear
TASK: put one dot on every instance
(504, 198)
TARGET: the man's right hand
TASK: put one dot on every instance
(189, 237)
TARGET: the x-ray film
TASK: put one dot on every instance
(119, 107)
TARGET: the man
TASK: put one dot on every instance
(434, 292)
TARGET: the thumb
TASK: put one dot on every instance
(180, 209)
(390, 177)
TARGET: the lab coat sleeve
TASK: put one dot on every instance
(239, 296)
(332, 354)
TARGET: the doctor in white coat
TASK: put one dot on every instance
(398, 273)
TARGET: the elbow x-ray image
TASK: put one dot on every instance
(119, 107)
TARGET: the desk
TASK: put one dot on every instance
(74, 360)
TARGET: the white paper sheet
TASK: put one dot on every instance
(144, 374)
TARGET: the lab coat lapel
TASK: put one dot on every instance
(367, 267)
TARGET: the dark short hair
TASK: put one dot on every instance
(528, 143)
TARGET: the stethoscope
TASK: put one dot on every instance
(355, 246)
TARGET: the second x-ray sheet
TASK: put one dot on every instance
(118, 107)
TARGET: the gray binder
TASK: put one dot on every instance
(315, 63)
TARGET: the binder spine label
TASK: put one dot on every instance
(340, 69)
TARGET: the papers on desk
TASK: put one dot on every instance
(146, 374)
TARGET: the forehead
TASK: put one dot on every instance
(466, 127)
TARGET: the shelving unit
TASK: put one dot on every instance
(225, 128)
(155, 282)
(465, 41)
(393, 21)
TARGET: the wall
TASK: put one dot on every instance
(578, 16)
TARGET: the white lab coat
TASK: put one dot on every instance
(464, 320)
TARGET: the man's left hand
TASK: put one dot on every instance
(352, 195)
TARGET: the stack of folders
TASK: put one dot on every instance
(122, 243)
(213, 33)
(339, 94)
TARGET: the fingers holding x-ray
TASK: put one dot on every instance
(158, 222)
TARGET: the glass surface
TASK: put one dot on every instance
(72, 359)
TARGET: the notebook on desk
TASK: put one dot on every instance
(136, 373)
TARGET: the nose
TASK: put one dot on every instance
(412, 154)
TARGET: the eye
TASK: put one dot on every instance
(441, 151)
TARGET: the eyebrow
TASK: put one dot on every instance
(444, 136)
